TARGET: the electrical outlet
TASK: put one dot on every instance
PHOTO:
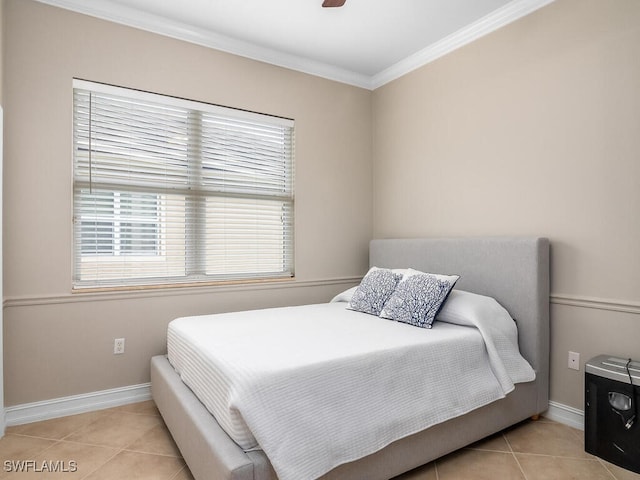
(574, 361)
(118, 346)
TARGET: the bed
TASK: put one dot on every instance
(512, 270)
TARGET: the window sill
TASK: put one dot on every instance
(181, 286)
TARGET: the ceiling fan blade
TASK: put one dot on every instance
(333, 3)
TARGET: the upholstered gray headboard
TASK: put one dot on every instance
(513, 270)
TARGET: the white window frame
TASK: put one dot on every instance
(198, 194)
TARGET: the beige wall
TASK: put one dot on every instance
(534, 129)
(2, 420)
(1, 50)
(58, 344)
(530, 130)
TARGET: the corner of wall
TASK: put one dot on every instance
(2, 415)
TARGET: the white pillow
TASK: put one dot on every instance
(464, 308)
(344, 296)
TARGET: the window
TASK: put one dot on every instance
(126, 224)
(170, 191)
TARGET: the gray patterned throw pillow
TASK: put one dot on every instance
(374, 290)
(418, 298)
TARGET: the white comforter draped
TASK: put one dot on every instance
(319, 385)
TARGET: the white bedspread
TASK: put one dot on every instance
(319, 385)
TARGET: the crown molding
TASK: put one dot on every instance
(497, 19)
(117, 13)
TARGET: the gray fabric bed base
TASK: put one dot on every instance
(513, 270)
(212, 455)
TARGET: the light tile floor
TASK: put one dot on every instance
(132, 442)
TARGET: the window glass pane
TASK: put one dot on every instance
(174, 191)
(97, 238)
(137, 235)
(139, 205)
(139, 238)
(246, 236)
(239, 156)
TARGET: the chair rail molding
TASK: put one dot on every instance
(615, 305)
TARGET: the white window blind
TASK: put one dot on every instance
(174, 191)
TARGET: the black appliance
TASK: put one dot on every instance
(612, 409)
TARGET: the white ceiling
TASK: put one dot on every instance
(365, 43)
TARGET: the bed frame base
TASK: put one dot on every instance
(212, 455)
(514, 270)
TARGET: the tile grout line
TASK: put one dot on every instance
(59, 441)
(97, 445)
(102, 464)
(515, 457)
(183, 470)
(580, 436)
(175, 475)
(118, 449)
(64, 440)
(122, 449)
(153, 453)
(603, 463)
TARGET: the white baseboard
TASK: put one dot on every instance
(566, 415)
(88, 402)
